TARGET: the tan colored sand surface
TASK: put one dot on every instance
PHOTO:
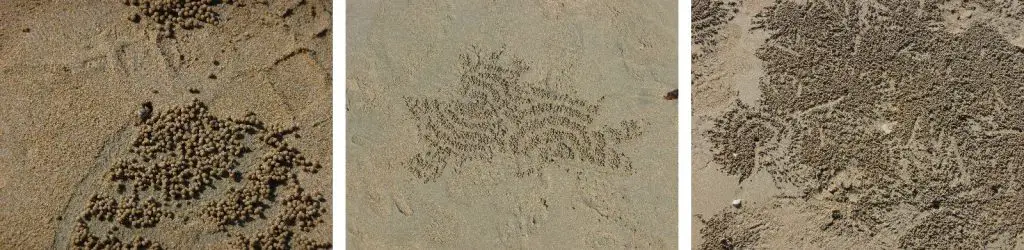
(511, 124)
(73, 75)
(876, 124)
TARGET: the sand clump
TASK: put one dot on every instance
(941, 170)
(176, 164)
(89, 241)
(496, 112)
(171, 15)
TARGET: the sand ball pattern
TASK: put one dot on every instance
(497, 113)
(178, 156)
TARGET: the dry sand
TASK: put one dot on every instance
(77, 165)
(511, 124)
(858, 124)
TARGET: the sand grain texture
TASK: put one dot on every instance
(73, 77)
(874, 124)
(530, 124)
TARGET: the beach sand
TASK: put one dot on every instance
(524, 124)
(857, 124)
(81, 83)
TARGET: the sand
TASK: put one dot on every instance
(857, 124)
(245, 81)
(524, 124)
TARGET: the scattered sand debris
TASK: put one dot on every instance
(722, 231)
(175, 164)
(951, 158)
(497, 113)
(708, 17)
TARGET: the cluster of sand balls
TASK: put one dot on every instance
(300, 209)
(85, 240)
(180, 152)
(498, 112)
(909, 111)
(239, 206)
(708, 18)
(720, 232)
(285, 155)
(736, 140)
(173, 14)
(277, 236)
(129, 212)
(276, 168)
(303, 210)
